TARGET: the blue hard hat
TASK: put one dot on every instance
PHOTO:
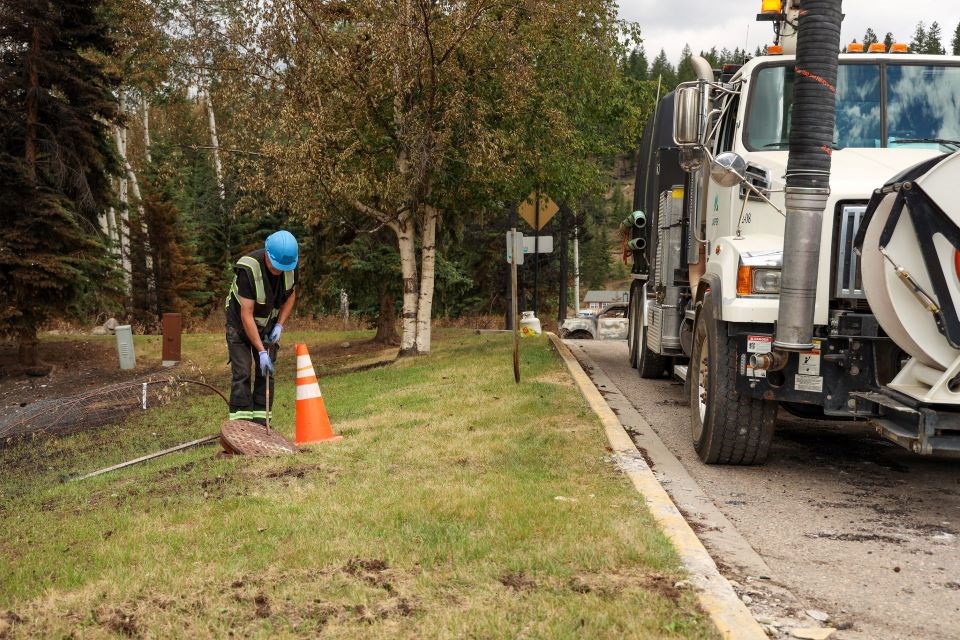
(283, 251)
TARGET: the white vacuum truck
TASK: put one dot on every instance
(800, 243)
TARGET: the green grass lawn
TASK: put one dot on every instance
(458, 505)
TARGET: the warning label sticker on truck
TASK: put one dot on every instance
(808, 383)
(810, 361)
(759, 344)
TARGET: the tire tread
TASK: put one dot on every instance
(738, 429)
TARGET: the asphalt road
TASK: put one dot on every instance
(843, 521)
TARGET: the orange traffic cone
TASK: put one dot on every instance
(313, 424)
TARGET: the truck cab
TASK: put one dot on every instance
(706, 287)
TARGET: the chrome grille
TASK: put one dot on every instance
(849, 283)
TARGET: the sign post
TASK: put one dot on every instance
(513, 303)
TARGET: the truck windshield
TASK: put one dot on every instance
(922, 107)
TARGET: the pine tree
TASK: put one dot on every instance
(955, 43)
(712, 57)
(685, 72)
(637, 66)
(888, 40)
(919, 42)
(662, 69)
(56, 107)
(183, 283)
(869, 38)
(933, 42)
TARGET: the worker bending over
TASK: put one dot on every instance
(258, 305)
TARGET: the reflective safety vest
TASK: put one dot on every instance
(255, 265)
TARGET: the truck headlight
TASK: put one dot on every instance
(766, 281)
(758, 281)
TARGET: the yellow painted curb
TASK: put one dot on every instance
(718, 599)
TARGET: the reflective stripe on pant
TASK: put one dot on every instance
(246, 403)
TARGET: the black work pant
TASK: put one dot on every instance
(246, 403)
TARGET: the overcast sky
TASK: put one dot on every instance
(668, 24)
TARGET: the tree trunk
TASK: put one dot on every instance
(428, 262)
(408, 269)
(214, 138)
(131, 182)
(145, 106)
(123, 231)
(387, 319)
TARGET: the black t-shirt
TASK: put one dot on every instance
(246, 289)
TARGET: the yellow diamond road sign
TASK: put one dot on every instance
(528, 210)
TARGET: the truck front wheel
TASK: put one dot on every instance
(727, 427)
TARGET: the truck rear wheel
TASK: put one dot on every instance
(650, 365)
(727, 427)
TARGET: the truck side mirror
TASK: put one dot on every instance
(686, 116)
(728, 169)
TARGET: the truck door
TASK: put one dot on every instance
(721, 201)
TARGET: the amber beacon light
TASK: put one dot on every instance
(770, 6)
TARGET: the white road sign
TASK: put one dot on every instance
(529, 245)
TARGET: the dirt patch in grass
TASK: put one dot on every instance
(78, 365)
(373, 571)
(299, 472)
(8, 622)
(117, 620)
(611, 584)
(262, 605)
(517, 580)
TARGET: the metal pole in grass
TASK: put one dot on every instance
(513, 304)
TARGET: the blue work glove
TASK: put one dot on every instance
(275, 334)
(266, 364)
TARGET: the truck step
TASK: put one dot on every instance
(884, 401)
(680, 370)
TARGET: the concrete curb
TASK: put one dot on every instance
(718, 599)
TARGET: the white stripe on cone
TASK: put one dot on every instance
(308, 391)
(305, 370)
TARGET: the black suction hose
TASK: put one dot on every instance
(808, 168)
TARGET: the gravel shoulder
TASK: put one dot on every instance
(852, 525)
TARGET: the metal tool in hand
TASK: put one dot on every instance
(272, 350)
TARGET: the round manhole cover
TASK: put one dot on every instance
(251, 439)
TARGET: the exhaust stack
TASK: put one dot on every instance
(808, 169)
